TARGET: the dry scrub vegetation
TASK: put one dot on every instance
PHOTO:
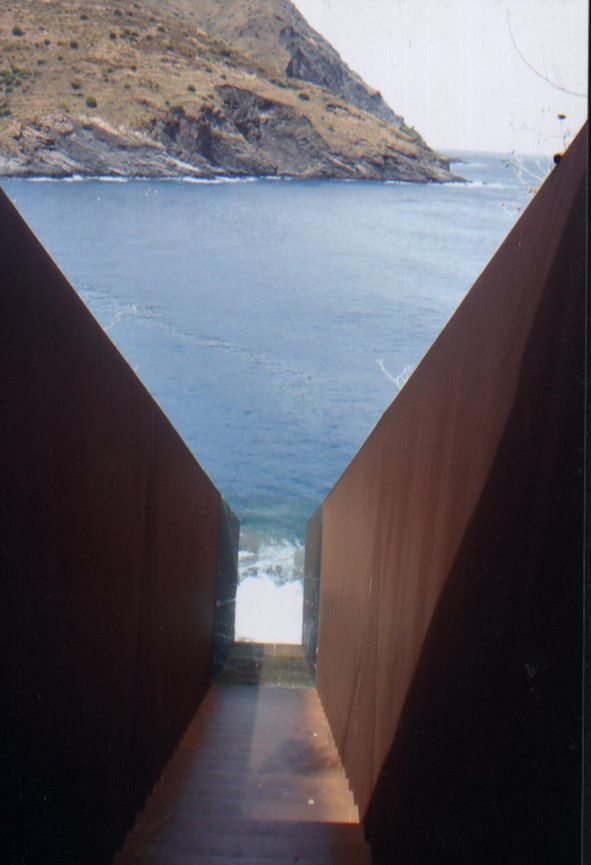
(125, 64)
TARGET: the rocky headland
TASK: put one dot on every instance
(190, 88)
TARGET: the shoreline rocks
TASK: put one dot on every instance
(192, 88)
(248, 137)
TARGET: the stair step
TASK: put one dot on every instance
(172, 820)
(167, 858)
(199, 843)
(268, 672)
(287, 664)
(297, 793)
(255, 770)
(212, 746)
(238, 781)
(244, 649)
(255, 809)
(264, 680)
(255, 780)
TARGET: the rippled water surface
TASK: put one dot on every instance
(274, 320)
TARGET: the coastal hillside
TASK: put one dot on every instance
(190, 87)
(281, 39)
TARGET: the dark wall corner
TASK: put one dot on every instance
(227, 583)
(312, 564)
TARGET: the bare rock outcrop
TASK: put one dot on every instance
(191, 87)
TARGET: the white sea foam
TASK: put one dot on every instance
(201, 181)
(279, 560)
(128, 310)
(269, 599)
(74, 179)
(113, 178)
(213, 181)
(267, 612)
(477, 184)
(84, 178)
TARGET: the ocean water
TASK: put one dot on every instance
(274, 321)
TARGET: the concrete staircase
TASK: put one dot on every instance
(256, 780)
(279, 664)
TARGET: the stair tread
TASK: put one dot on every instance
(240, 785)
(255, 807)
(166, 858)
(177, 821)
(274, 796)
(255, 780)
(247, 843)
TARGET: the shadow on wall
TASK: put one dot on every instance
(488, 748)
(109, 551)
(312, 563)
(227, 585)
(450, 636)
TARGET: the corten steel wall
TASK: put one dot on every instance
(109, 559)
(449, 659)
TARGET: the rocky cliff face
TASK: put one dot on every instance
(193, 87)
(321, 65)
(276, 33)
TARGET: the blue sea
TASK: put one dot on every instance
(275, 320)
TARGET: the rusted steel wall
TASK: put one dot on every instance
(449, 659)
(109, 558)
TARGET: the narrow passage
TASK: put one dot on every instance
(256, 780)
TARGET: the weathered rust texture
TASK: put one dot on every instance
(109, 552)
(449, 659)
